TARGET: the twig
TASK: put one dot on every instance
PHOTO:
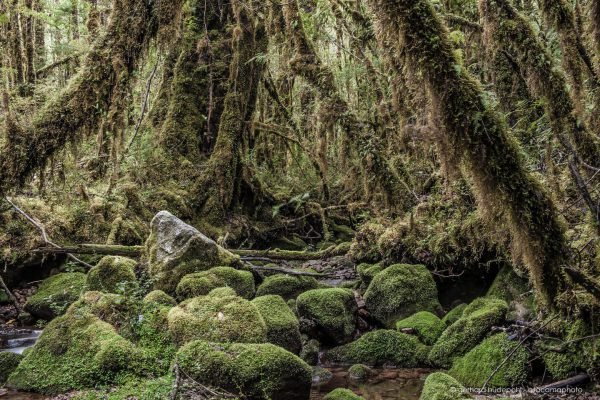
(41, 228)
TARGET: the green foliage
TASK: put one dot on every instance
(332, 311)
(439, 386)
(475, 367)
(201, 283)
(282, 324)
(112, 275)
(8, 363)
(382, 347)
(258, 371)
(342, 394)
(140, 389)
(399, 291)
(55, 294)
(427, 326)
(286, 286)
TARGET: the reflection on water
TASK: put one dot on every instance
(387, 384)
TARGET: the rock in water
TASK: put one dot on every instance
(175, 249)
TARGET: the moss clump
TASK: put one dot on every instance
(427, 326)
(76, 350)
(399, 291)
(342, 394)
(201, 283)
(55, 294)
(367, 272)
(507, 285)
(256, 371)
(454, 315)
(160, 297)
(217, 319)
(439, 386)
(112, 275)
(8, 363)
(139, 389)
(360, 373)
(382, 347)
(282, 325)
(332, 311)
(286, 286)
(310, 352)
(460, 337)
(475, 367)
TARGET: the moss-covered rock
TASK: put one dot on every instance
(201, 283)
(475, 367)
(8, 363)
(112, 275)
(366, 272)
(427, 326)
(515, 290)
(282, 324)
(332, 311)
(460, 337)
(342, 394)
(286, 286)
(217, 319)
(138, 389)
(76, 350)
(55, 294)
(360, 373)
(256, 371)
(399, 291)
(439, 386)
(175, 249)
(310, 352)
(160, 297)
(454, 315)
(382, 347)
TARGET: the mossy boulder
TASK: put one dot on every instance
(460, 337)
(282, 324)
(201, 283)
(440, 386)
(475, 367)
(112, 275)
(426, 325)
(400, 291)
(360, 373)
(332, 313)
(160, 297)
(175, 249)
(310, 351)
(342, 394)
(381, 347)
(217, 319)
(76, 350)
(515, 290)
(454, 315)
(55, 294)
(255, 371)
(366, 272)
(286, 286)
(8, 363)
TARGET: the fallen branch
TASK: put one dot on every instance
(10, 295)
(40, 73)
(572, 381)
(287, 271)
(584, 280)
(42, 230)
(97, 249)
(277, 254)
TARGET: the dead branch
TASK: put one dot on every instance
(10, 295)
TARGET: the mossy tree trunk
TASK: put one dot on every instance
(101, 83)
(479, 138)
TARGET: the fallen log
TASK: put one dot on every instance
(569, 382)
(99, 249)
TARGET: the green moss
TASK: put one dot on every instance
(427, 326)
(332, 311)
(150, 334)
(399, 291)
(382, 347)
(139, 389)
(286, 286)
(475, 367)
(224, 291)
(218, 319)
(508, 286)
(367, 272)
(342, 394)
(282, 324)
(360, 373)
(258, 371)
(454, 315)
(55, 294)
(201, 283)
(160, 297)
(439, 386)
(310, 352)
(460, 337)
(112, 275)
(8, 363)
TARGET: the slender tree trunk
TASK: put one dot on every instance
(479, 138)
(14, 30)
